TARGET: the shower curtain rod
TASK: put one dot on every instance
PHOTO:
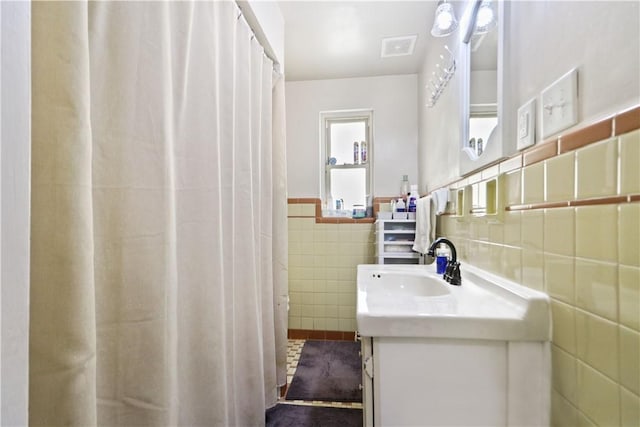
(276, 64)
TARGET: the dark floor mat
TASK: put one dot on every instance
(285, 415)
(329, 371)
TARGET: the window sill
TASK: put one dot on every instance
(319, 219)
(343, 220)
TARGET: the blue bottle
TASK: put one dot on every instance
(412, 204)
(441, 261)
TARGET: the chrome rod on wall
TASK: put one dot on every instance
(440, 77)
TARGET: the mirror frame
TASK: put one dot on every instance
(495, 148)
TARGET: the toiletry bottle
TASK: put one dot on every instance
(363, 152)
(404, 187)
(441, 260)
(400, 207)
(413, 197)
(356, 153)
(412, 202)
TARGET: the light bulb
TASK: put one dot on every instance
(444, 20)
(485, 18)
(485, 15)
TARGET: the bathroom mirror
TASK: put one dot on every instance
(482, 82)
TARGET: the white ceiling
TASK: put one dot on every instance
(340, 39)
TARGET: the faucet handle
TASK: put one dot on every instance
(448, 271)
(454, 277)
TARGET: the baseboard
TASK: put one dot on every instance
(310, 334)
(283, 391)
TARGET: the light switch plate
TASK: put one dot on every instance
(526, 124)
(560, 104)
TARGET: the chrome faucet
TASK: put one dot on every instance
(452, 272)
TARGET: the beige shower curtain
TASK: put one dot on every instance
(158, 217)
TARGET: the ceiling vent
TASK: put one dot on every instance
(398, 46)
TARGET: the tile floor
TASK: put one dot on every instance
(294, 348)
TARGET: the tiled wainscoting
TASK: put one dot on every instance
(322, 271)
(572, 229)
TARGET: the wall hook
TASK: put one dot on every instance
(442, 75)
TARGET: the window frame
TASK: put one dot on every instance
(345, 116)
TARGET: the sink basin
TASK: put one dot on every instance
(413, 301)
(393, 282)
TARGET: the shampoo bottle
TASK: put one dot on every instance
(412, 203)
(356, 153)
(363, 152)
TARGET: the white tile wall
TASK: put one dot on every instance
(322, 270)
(587, 259)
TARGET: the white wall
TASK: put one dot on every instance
(483, 87)
(15, 141)
(601, 38)
(394, 101)
(545, 39)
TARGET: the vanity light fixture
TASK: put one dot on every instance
(445, 21)
(486, 18)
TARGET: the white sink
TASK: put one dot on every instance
(435, 354)
(413, 301)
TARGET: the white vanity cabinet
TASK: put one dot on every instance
(394, 241)
(435, 382)
(437, 355)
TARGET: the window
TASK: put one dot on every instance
(347, 158)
